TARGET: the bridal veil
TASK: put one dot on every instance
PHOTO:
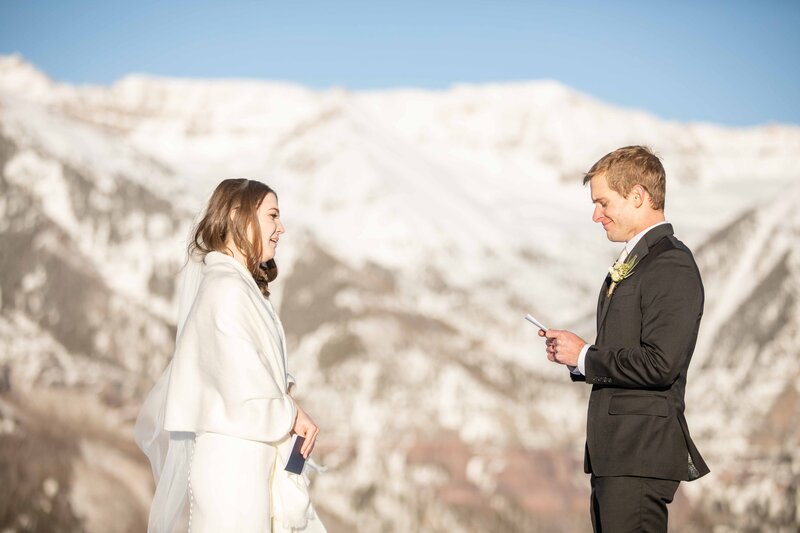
(169, 453)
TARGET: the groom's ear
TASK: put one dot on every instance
(639, 195)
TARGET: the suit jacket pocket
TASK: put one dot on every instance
(639, 404)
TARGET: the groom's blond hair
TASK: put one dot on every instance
(627, 167)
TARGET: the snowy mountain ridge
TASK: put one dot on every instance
(422, 225)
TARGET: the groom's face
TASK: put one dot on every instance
(615, 212)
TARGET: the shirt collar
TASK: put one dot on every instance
(631, 244)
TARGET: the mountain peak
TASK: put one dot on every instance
(18, 77)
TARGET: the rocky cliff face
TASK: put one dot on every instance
(421, 227)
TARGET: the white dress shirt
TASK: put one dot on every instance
(629, 246)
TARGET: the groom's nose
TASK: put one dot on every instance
(598, 214)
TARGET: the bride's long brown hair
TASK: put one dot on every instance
(231, 210)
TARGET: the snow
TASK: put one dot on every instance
(470, 197)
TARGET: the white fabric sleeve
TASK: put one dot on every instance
(256, 406)
(228, 375)
(255, 394)
(581, 368)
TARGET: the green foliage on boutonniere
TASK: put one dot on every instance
(620, 271)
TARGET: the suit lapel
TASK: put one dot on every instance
(604, 304)
(641, 250)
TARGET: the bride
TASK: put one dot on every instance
(217, 426)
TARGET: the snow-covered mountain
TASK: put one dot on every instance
(421, 226)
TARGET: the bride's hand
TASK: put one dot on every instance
(305, 427)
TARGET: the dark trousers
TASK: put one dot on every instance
(626, 503)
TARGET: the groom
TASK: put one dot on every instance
(638, 447)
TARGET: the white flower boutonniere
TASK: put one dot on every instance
(620, 271)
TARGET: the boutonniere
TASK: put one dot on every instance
(619, 271)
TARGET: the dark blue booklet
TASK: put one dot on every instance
(296, 461)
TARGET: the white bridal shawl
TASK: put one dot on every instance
(228, 376)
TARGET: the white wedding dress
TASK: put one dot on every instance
(227, 484)
(216, 425)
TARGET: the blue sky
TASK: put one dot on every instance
(728, 62)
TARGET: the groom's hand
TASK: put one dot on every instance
(563, 346)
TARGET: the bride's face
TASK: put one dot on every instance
(269, 218)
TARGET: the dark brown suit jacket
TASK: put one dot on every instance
(646, 334)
